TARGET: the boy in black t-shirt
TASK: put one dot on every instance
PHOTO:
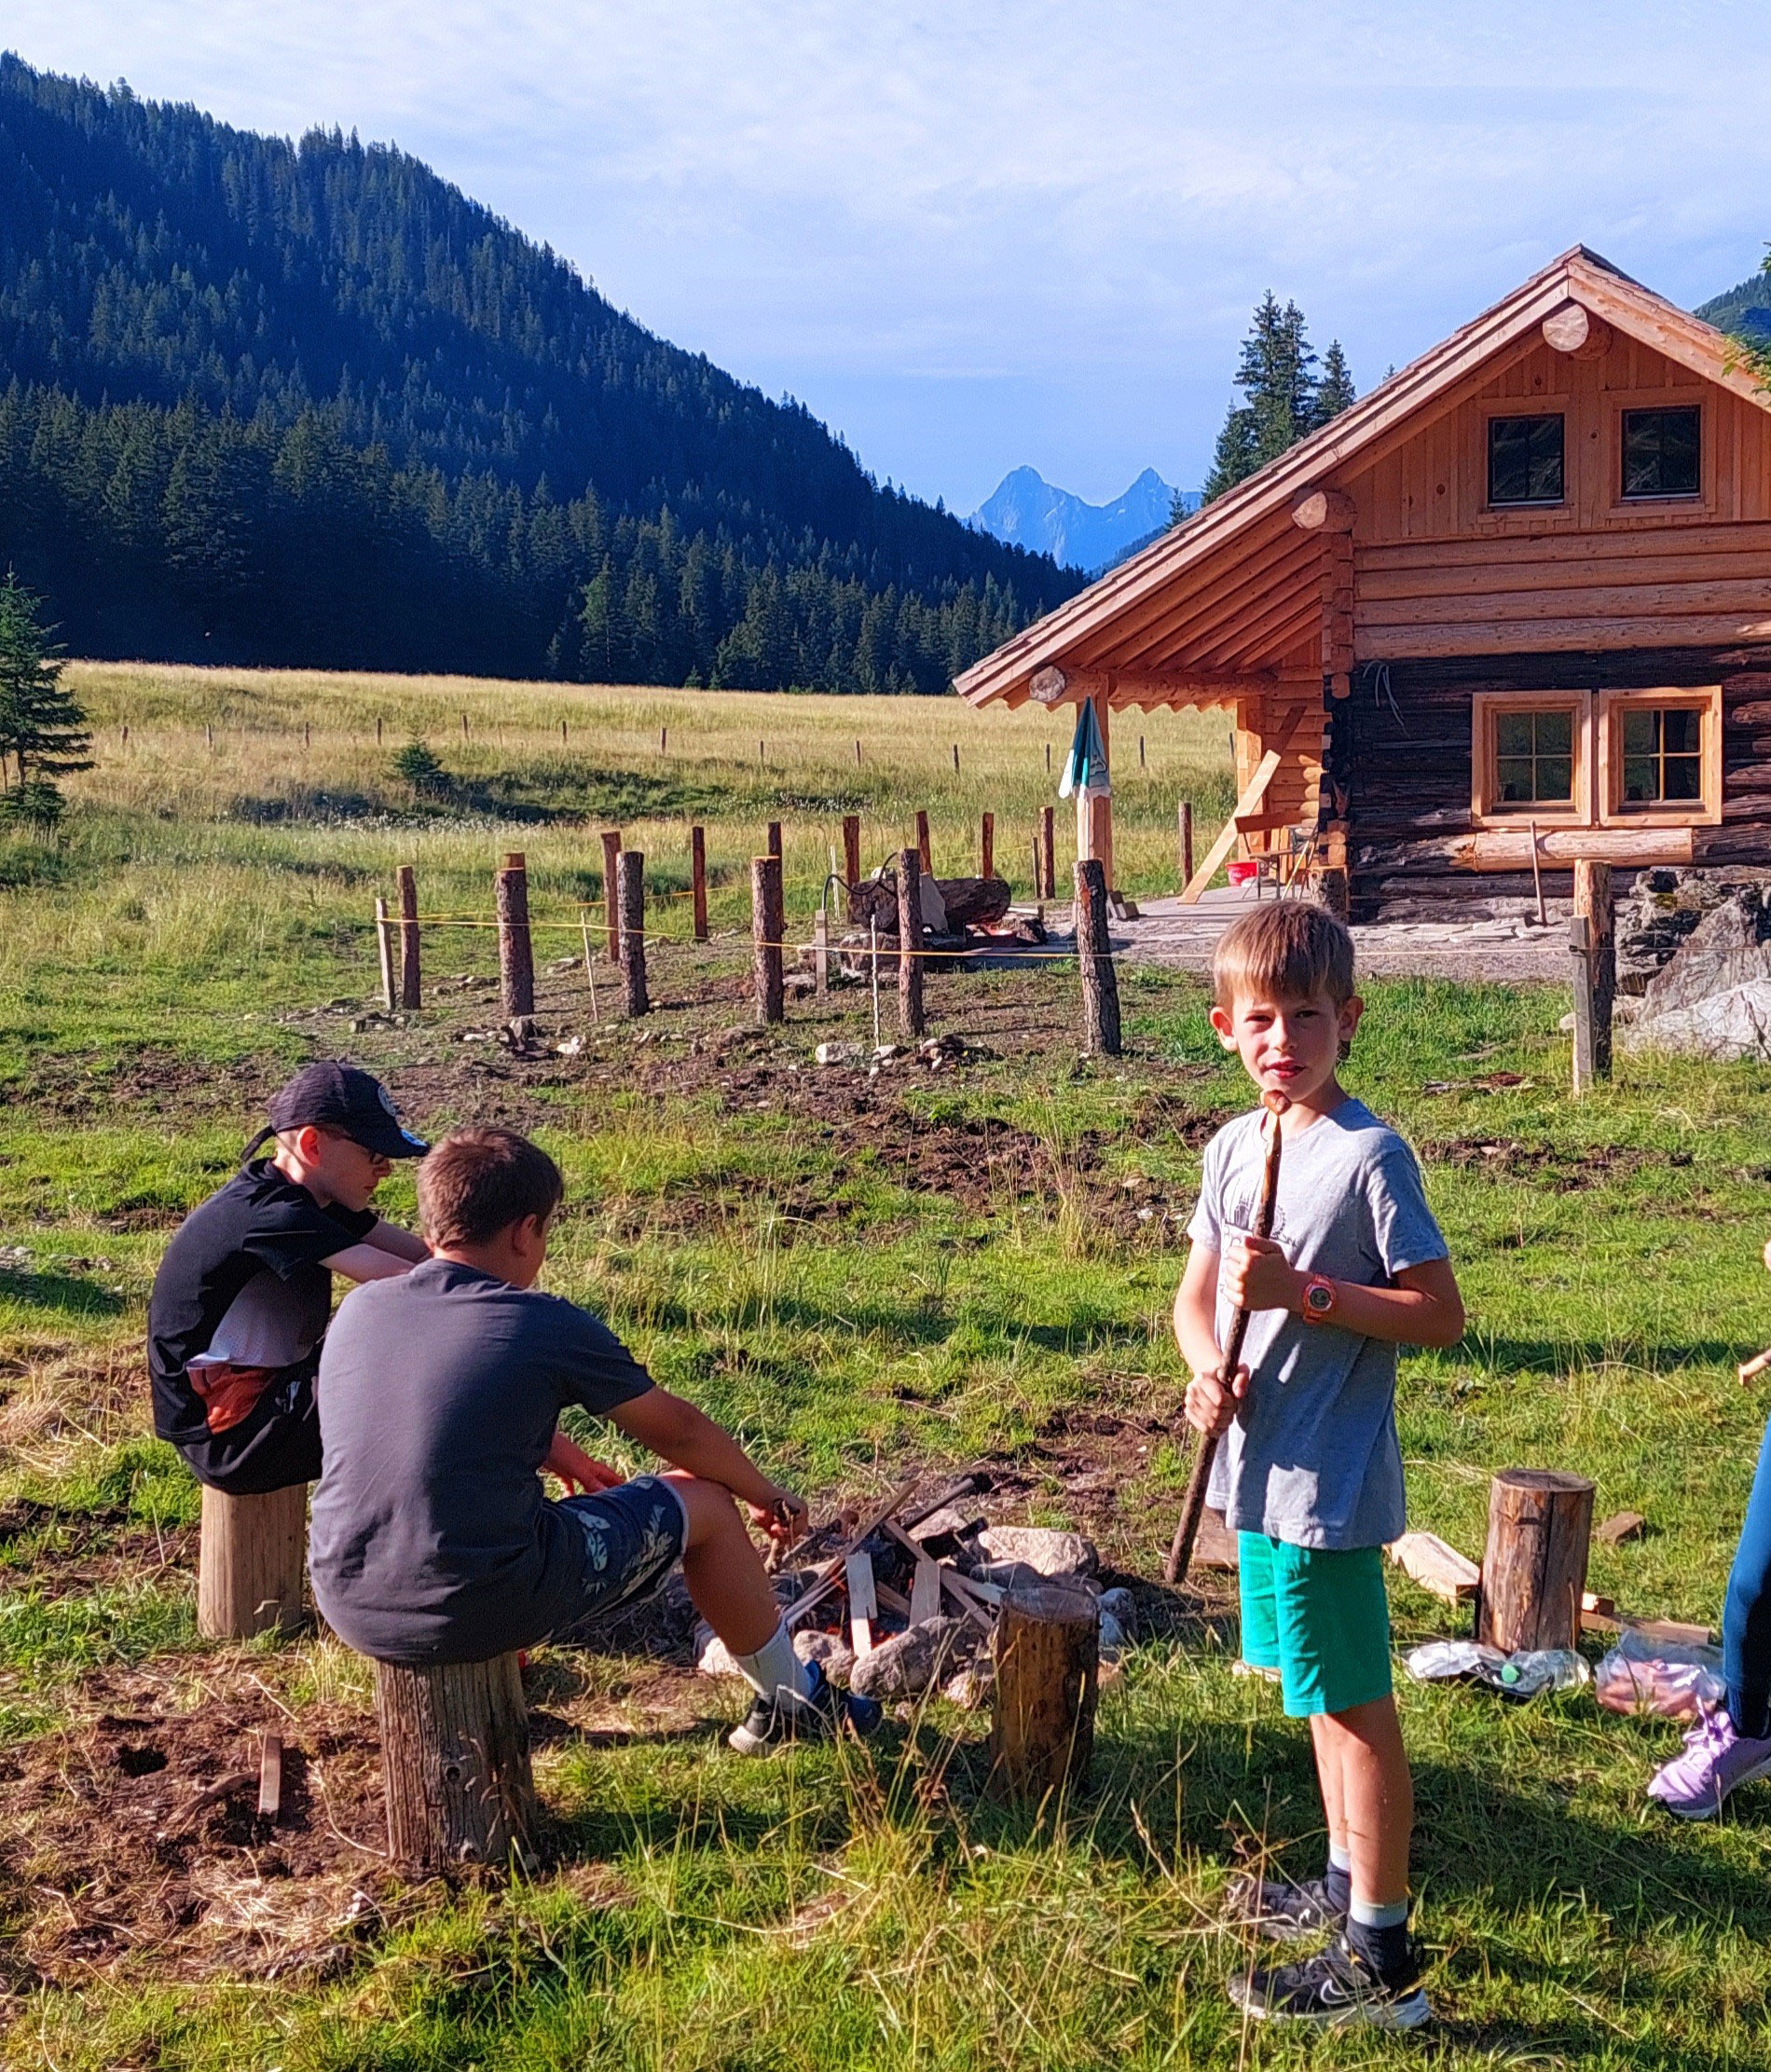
(245, 1291)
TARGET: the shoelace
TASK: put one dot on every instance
(1713, 1732)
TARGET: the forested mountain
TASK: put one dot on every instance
(278, 402)
(1744, 311)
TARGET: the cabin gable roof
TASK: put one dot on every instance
(1229, 602)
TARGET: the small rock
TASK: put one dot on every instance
(838, 1053)
(970, 1688)
(564, 963)
(1051, 1553)
(571, 1047)
(906, 1664)
(836, 1657)
(957, 1518)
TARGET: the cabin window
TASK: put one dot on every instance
(1525, 460)
(1530, 757)
(1662, 452)
(1660, 753)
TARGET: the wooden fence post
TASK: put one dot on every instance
(852, 848)
(411, 978)
(1049, 852)
(1579, 943)
(250, 1562)
(611, 895)
(698, 880)
(987, 847)
(515, 956)
(1593, 901)
(1095, 960)
(1186, 842)
(774, 838)
(821, 951)
(1047, 1664)
(455, 1764)
(630, 878)
(384, 946)
(1534, 1569)
(909, 942)
(768, 926)
(925, 854)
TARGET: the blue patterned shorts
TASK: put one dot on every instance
(633, 1536)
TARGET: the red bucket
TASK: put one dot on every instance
(1242, 873)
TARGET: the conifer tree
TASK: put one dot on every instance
(1285, 396)
(1334, 388)
(42, 731)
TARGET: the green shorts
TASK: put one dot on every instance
(1319, 1617)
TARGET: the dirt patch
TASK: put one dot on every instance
(60, 1553)
(149, 1081)
(1561, 1170)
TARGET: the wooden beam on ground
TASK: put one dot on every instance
(1436, 1566)
(863, 1603)
(270, 1778)
(1226, 841)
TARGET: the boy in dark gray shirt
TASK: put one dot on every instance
(439, 1394)
(1310, 1475)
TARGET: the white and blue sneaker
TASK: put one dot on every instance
(820, 1715)
(1334, 1989)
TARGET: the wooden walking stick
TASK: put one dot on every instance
(1193, 1504)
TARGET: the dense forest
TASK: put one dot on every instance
(308, 404)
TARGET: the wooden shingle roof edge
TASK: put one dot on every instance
(1434, 382)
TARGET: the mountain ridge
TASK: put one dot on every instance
(1027, 510)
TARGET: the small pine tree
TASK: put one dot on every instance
(43, 729)
(1334, 388)
(420, 766)
(1286, 397)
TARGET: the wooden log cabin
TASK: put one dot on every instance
(1517, 598)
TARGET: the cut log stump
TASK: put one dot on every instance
(1534, 1570)
(1047, 1659)
(250, 1566)
(455, 1764)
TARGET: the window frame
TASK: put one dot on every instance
(1618, 402)
(1629, 410)
(1705, 812)
(1509, 408)
(1487, 808)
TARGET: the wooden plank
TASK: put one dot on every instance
(1204, 608)
(1548, 636)
(1619, 1526)
(1617, 541)
(1528, 574)
(1510, 848)
(1226, 841)
(270, 1776)
(1613, 600)
(1436, 1566)
(863, 1604)
(925, 1592)
(875, 1521)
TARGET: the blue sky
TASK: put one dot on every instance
(976, 235)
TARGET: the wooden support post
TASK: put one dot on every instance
(1534, 1570)
(384, 946)
(1581, 947)
(821, 951)
(1186, 841)
(987, 847)
(1593, 904)
(1095, 960)
(1094, 815)
(1537, 878)
(411, 977)
(925, 854)
(377, 733)
(1048, 1661)
(774, 838)
(455, 1764)
(910, 941)
(852, 848)
(955, 758)
(516, 955)
(612, 897)
(1335, 893)
(768, 926)
(250, 1558)
(1049, 854)
(630, 881)
(698, 880)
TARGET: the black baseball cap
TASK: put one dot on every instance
(339, 1097)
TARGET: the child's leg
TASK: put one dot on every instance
(727, 1581)
(1364, 1769)
(1746, 1619)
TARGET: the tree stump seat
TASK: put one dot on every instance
(455, 1764)
(250, 1563)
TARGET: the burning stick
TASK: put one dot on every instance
(1181, 1553)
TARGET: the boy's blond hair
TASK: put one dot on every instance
(1290, 950)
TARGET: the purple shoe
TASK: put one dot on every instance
(1717, 1758)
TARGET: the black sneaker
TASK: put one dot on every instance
(820, 1716)
(1334, 1989)
(1281, 1911)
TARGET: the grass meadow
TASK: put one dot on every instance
(934, 1271)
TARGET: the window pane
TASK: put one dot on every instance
(1681, 731)
(1554, 778)
(1639, 780)
(1662, 451)
(1525, 460)
(1684, 776)
(1555, 733)
(1513, 733)
(1513, 779)
(1639, 731)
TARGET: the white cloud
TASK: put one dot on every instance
(1017, 232)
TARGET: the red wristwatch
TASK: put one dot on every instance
(1319, 1299)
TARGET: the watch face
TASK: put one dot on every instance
(1320, 1300)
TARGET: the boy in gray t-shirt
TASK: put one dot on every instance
(1311, 1474)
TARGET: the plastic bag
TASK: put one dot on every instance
(1515, 1676)
(1668, 1679)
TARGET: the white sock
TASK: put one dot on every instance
(775, 1669)
(1340, 1859)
